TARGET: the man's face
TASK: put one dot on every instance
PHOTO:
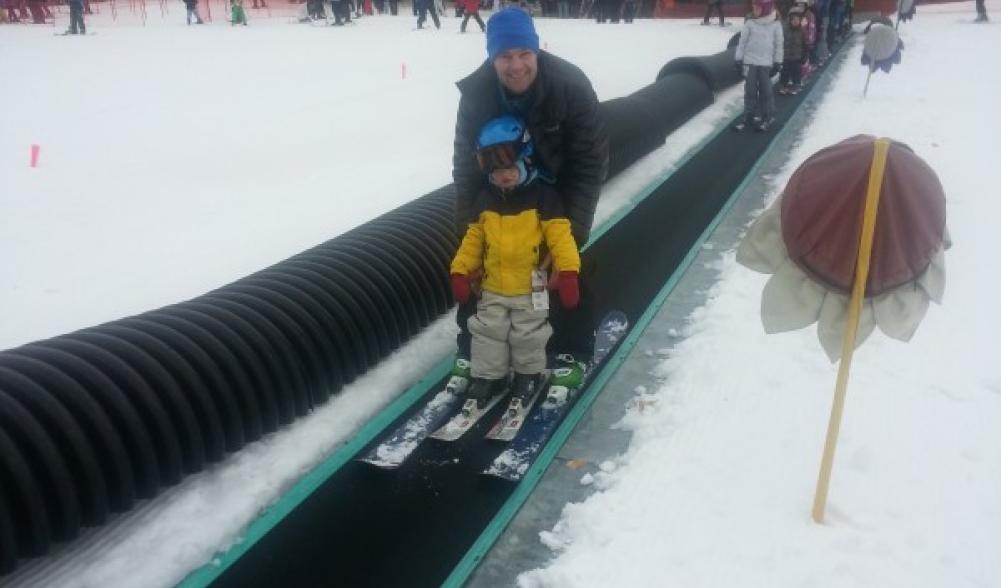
(516, 69)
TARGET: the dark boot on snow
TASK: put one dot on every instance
(525, 386)
(482, 390)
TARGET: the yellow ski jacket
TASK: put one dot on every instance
(511, 234)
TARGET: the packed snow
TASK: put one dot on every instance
(176, 159)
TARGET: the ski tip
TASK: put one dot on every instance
(382, 464)
(616, 320)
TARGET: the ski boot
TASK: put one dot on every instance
(524, 387)
(567, 375)
(764, 125)
(481, 391)
(745, 122)
(459, 380)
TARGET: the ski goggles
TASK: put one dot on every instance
(498, 156)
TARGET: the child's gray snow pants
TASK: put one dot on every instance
(507, 332)
(758, 98)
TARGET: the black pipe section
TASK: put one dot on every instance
(93, 420)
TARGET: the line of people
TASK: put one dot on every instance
(342, 10)
(790, 41)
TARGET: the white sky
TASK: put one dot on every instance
(177, 159)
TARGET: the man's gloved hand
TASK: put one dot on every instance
(776, 68)
(739, 66)
(461, 288)
(569, 288)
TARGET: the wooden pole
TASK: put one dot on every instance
(882, 146)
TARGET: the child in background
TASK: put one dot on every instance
(808, 22)
(239, 15)
(520, 218)
(759, 57)
(794, 51)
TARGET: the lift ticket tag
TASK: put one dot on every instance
(540, 297)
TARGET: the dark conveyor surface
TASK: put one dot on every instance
(366, 527)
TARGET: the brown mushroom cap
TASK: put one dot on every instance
(822, 209)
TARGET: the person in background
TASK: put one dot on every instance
(759, 57)
(341, 11)
(609, 10)
(981, 12)
(192, 7)
(794, 52)
(470, 9)
(835, 28)
(716, 5)
(237, 14)
(425, 7)
(77, 25)
(628, 10)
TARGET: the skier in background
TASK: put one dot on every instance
(759, 58)
(518, 218)
(76, 18)
(560, 109)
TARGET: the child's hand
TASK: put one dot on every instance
(460, 288)
(776, 68)
(569, 290)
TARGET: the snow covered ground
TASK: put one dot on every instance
(717, 485)
(176, 159)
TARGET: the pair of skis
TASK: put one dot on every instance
(506, 427)
(447, 418)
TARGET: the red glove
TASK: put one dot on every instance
(569, 288)
(460, 288)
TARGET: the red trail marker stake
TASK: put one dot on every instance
(403, 71)
(34, 155)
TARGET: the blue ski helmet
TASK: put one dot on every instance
(503, 142)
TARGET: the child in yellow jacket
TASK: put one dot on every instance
(520, 220)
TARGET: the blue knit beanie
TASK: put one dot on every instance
(511, 28)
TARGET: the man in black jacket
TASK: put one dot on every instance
(560, 107)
